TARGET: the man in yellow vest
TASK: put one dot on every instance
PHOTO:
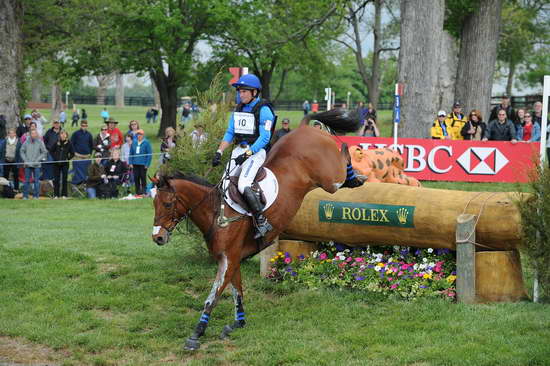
(440, 128)
(456, 120)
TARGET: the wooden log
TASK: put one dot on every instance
(465, 259)
(499, 277)
(297, 248)
(392, 214)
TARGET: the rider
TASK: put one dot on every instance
(250, 128)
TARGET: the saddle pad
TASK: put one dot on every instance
(269, 186)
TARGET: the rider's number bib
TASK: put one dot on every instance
(244, 123)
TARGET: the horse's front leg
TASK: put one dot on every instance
(226, 270)
(239, 309)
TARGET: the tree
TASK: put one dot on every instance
(103, 82)
(10, 59)
(268, 36)
(119, 93)
(477, 57)
(354, 42)
(421, 32)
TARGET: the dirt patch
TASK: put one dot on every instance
(20, 352)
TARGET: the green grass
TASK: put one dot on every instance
(84, 278)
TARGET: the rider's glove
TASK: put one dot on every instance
(241, 158)
(217, 160)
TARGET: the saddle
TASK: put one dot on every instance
(237, 197)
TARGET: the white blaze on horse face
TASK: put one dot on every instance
(156, 229)
(338, 185)
(153, 192)
(217, 283)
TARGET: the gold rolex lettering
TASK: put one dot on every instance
(383, 216)
(356, 214)
(346, 213)
(373, 214)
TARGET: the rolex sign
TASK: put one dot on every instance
(366, 214)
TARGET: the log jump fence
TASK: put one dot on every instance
(482, 227)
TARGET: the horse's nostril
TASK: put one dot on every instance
(159, 240)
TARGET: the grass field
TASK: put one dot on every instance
(82, 284)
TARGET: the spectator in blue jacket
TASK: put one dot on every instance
(83, 145)
(529, 132)
(140, 159)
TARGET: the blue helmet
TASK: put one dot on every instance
(248, 81)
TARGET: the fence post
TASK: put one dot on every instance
(465, 258)
(266, 255)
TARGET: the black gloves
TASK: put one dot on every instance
(241, 158)
(217, 160)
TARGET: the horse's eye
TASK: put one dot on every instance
(167, 204)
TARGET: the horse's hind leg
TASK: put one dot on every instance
(239, 309)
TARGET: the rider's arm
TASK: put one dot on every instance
(266, 121)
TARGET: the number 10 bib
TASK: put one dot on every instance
(244, 123)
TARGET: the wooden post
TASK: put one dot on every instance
(465, 258)
(266, 255)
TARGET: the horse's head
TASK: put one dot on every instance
(169, 211)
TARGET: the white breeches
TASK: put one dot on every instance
(248, 170)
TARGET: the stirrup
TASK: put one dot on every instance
(262, 227)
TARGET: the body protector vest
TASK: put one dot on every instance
(247, 124)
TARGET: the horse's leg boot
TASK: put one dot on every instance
(255, 205)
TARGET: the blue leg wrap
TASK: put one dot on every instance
(239, 316)
(204, 318)
(350, 173)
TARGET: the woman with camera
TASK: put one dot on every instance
(369, 129)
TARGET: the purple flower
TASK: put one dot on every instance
(423, 286)
(381, 275)
(359, 278)
(418, 252)
(301, 257)
(370, 266)
(287, 255)
(288, 269)
(294, 274)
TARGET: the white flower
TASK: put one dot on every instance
(424, 260)
(430, 250)
(422, 266)
(431, 264)
(415, 267)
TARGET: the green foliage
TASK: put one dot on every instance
(535, 219)
(537, 64)
(456, 12)
(193, 158)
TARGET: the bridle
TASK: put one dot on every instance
(174, 211)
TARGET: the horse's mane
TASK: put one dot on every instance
(191, 178)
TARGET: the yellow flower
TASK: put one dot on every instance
(328, 260)
(380, 264)
(272, 260)
(280, 253)
(451, 278)
(427, 275)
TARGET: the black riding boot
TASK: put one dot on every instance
(255, 206)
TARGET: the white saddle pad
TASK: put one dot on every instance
(269, 186)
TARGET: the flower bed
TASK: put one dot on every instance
(395, 271)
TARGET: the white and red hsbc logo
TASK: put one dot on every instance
(473, 161)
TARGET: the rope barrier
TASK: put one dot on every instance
(478, 216)
(66, 161)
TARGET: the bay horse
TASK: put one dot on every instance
(304, 159)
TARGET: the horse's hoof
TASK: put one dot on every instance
(226, 331)
(192, 344)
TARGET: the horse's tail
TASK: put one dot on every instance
(337, 119)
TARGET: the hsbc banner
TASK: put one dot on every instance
(461, 161)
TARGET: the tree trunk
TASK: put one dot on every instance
(374, 85)
(103, 82)
(57, 101)
(156, 93)
(447, 71)
(510, 81)
(265, 79)
(36, 88)
(11, 15)
(421, 30)
(167, 87)
(475, 67)
(119, 93)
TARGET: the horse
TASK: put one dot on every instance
(304, 159)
